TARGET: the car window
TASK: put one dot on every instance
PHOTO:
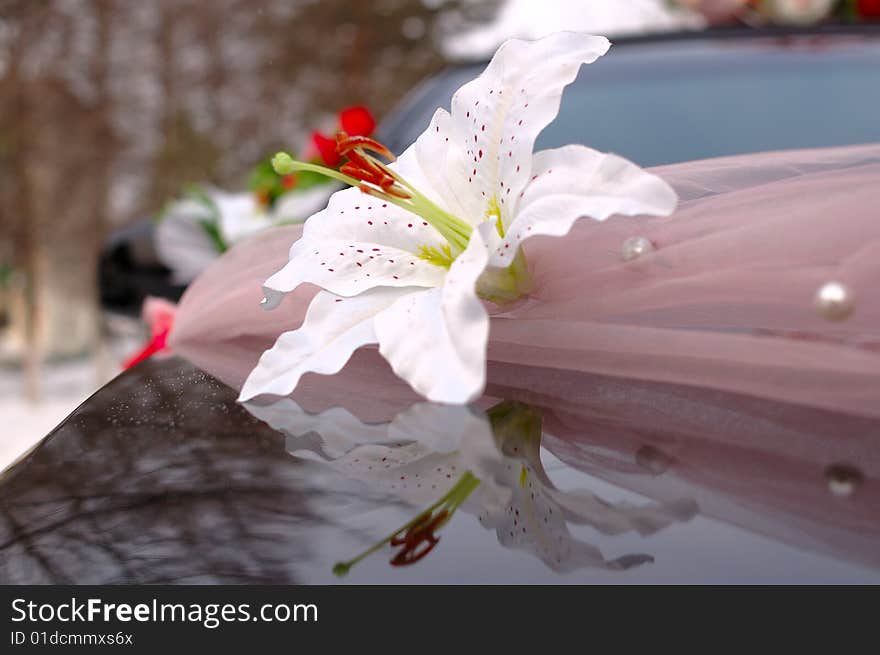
(666, 103)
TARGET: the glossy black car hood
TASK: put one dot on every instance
(163, 477)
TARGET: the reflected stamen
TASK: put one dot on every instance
(418, 537)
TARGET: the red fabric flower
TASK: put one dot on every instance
(327, 149)
(159, 314)
(357, 121)
(868, 8)
(354, 121)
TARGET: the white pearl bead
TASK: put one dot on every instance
(635, 247)
(835, 301)
(843, 480)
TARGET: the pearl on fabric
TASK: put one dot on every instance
(635, 247)
(653, 460)
(843, 480)
(835, 301)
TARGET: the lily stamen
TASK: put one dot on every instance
(420, 534)
(346, 145)
(375, 178)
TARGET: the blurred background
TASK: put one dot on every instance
(110, 108)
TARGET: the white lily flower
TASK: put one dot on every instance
(194, 231)
(455, 457)
(182, 241)
(406, 259)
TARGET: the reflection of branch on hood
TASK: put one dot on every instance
(159, 478)
(428, 452)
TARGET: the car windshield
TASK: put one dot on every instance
(673, 102)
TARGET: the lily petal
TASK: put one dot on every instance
(436, 339)
(534, 521)
(328, 435)
(497, 117)
(425, 158)
(347, 268)
(353, 216)
(333, 329)
(575, 182)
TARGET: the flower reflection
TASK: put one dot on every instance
(486, 463)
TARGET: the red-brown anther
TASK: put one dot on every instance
(418, 540)
(363, 167)
(345, 144)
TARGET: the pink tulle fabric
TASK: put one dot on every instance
(725, 301)
(762, 465)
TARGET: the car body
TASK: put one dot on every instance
(163, 477)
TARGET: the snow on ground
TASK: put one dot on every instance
(528, 19)
(64, 385)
